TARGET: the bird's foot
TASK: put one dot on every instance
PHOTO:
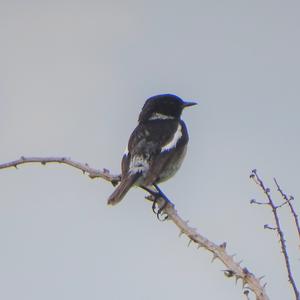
(159, 202)
(158, 208)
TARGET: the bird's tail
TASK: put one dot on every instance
(122, 189)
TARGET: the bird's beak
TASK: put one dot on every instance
(187, 104)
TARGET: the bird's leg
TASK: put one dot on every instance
(161, 193)
(154, 194)
(158, 194)
(166, 202)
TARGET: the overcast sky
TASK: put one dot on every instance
(73, 78)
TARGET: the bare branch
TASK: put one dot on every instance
(233, 268)
(85, 168)
(288, 200)
(278, 228)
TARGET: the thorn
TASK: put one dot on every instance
(254, 171)
(261, 277)
(22, 157)
(43, 163)
(105, 171)
(223, 245)
(237, 277)
(244, 283)
(181, 233)
(214, 258)
(264, 286)
(190, 241)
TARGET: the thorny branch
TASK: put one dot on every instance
(85, 168)
(288, 201)
(278, 227)
(233, 268)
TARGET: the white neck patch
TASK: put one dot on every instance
(158, 116)
(172, 144)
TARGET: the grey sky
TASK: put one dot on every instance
(73, 78)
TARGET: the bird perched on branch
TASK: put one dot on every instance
(156, 147)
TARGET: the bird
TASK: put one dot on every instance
(156, 147)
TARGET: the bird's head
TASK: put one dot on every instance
(162, 107)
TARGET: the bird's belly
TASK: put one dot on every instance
(172, 167)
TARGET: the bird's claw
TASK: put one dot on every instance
(157, 205)
(158, 209)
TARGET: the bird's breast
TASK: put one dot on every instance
(173, 166)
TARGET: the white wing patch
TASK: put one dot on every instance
(138, 164)
(172, 144)
(158, 116)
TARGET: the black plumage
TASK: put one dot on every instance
(156, 147)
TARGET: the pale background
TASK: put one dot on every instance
(73, 78)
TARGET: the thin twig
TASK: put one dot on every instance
(288, 200)
(85, 168)
(233, 268)
(278, 228)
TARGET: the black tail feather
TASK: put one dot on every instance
(122, 189)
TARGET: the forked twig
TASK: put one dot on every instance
(278, 227)
(288, 200)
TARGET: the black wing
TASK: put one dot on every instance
(148, 140)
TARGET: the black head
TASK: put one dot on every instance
(165, 105)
